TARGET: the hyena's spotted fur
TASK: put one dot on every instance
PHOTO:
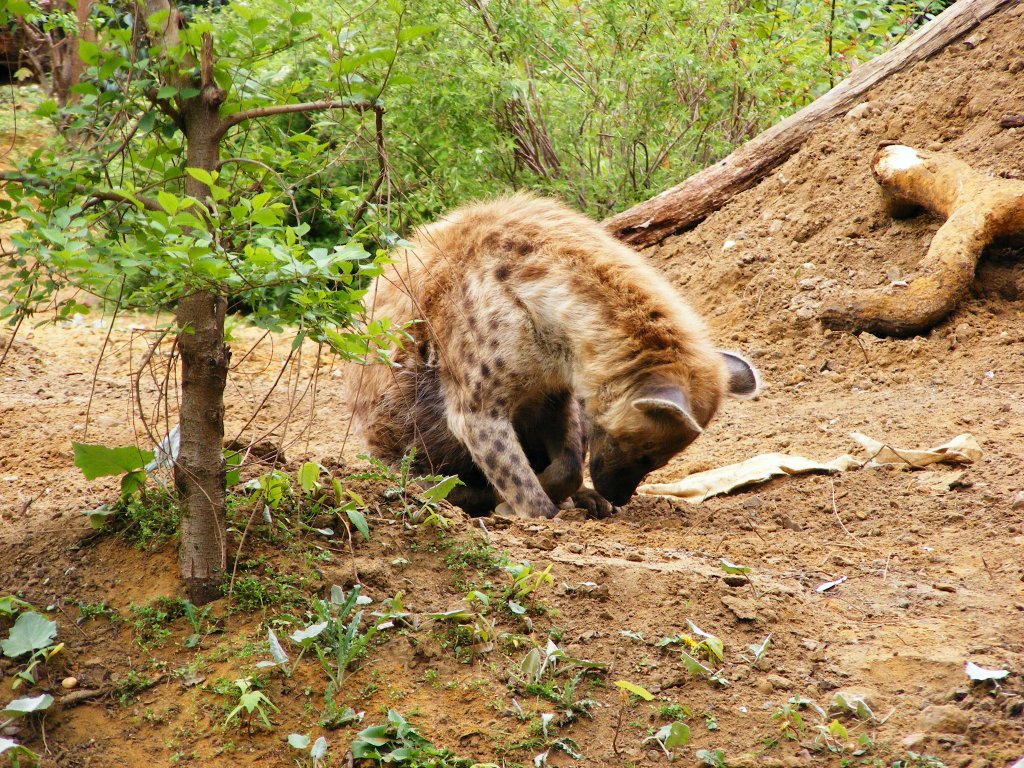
(537, 331)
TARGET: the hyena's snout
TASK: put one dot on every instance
(617, 467)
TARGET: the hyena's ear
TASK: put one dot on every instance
(668, 403)
(744, 380)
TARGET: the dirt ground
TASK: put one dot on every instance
(934, 562)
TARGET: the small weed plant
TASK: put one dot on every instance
(419, 496)
(397, 744)
(250, 702)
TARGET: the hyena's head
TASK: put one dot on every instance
(656, 419)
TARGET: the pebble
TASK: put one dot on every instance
(68, 683)
(942, 587)
(915, 739)
(943, 719)
(780, 683)
(1018, 501)
(744, 609)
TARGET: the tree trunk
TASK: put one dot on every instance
(199, 471)
(686, 205)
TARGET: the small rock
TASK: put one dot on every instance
(942, 587)
(634, 556)
(780, 683)
(943, 719)
(743, 608)
(573, 514)
(575, 548)
(1018, 501)
(864, 109)
(916, 739)
(543, 542)
(974, 40)
(68, 683)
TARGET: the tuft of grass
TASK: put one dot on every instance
(151, 520)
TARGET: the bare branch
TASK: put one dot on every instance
(287, 109)
(382, 165)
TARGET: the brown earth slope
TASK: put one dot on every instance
(934, 563)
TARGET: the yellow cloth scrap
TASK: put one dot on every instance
(702, 485)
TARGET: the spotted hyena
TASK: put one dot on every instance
(537, 335)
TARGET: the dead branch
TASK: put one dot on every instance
(287, 109)
(978, 209)
(687, 204)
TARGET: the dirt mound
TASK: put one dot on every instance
(932, 559)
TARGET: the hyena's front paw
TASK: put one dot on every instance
(505, 510)
(597, 506)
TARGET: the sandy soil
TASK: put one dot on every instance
(933, 561)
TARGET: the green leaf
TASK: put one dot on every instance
(167, 201)
(202, 175)
(634, 689)
(101, 460)
(232, 462)
(18, 7)
(28, 705)
(732, 568)
(679, 735)
(304, 636)
(132, 482)
(694, 667)
(419, 30)
(300, 17)
(308, 475)
(98, 517)
(299, 740)
(167, 92)
(45, 108)
(440, 491)
(319, 750)
(760, 648)
(713, 757)
(30, 632)
(275, 648)
(359, 521)
(88, 51)
(10, 605)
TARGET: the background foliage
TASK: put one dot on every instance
(601, 102)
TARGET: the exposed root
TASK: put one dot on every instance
(978, 209)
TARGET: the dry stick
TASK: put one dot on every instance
(138, 384)
(70, 620)
(99, 357)
(835, 511)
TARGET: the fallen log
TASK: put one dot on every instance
(687, 204)
(978, 209)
